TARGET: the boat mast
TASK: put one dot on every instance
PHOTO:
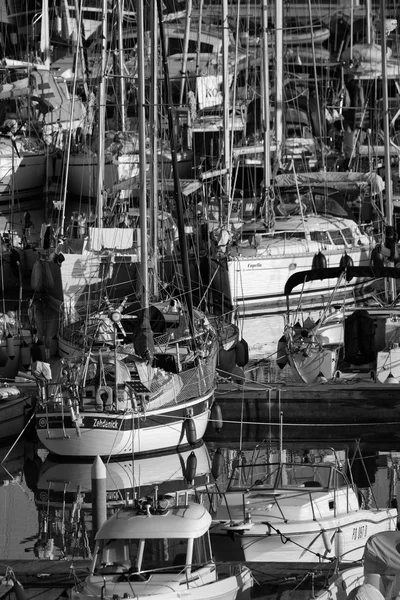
(177, 186)
(144, 291)
(278, 81)
(385, 101)
(266, 113)
(102, 117)
(225, 79)
(154, 145)
(121, 78)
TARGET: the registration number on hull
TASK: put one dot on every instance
(359, 532)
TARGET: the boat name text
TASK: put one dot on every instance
(105, 424)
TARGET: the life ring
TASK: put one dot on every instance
(104, 398)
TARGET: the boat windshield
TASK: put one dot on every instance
(286, 475)
(135, 555)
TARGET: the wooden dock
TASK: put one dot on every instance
(331, 413)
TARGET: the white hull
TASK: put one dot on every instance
(83, 173)
(107, 434)
(229, 588)
(22, 177)
(257, 282)
(13, 417)
(309, 544)
(321, 353)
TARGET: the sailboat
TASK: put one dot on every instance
(358, 341)
(296, 221)
(153, 392)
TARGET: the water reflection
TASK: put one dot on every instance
(47, 504)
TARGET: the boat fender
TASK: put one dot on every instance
(190, 430)
(377, 257)
(25, 353)
(238, 375)
(346, 261)
(242, 353)
(319, 261)
(104, 398)
(281, 356)
(48, 276)
(326, 540)
(191, 467)
(217, 464)
(19, 591)
(38, 351)
(375, 579)
(216, 417)
(10, 346)
(366, 591)
(339, 543)
(37, 276)
(226, 361)
(3, 357)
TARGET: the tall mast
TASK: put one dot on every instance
(279, 80)
(102, 116)
(142, 159)
(154, 144)
(385, 100)
(225, 83)
(121, 78)
(266, 113)
(177, 186)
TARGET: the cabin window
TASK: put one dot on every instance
(348, 236)
(201, 551)
(320, 236)
(175, 46)
(298, 235)
(337, 238)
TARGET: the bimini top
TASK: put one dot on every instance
(145, 522)
(382, 553)
(367, 272)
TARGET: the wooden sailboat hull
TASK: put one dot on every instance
(123, 434)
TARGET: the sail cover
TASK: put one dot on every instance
(335, 180)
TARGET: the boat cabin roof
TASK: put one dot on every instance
(189, 521)
(287, 476)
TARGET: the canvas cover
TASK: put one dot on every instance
(382, 553)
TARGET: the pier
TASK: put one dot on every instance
(331, 414)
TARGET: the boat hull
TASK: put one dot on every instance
(21, 178)
(83, 173)
(13, 417)
(305, 542)
(227, 588)
(107, 434)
